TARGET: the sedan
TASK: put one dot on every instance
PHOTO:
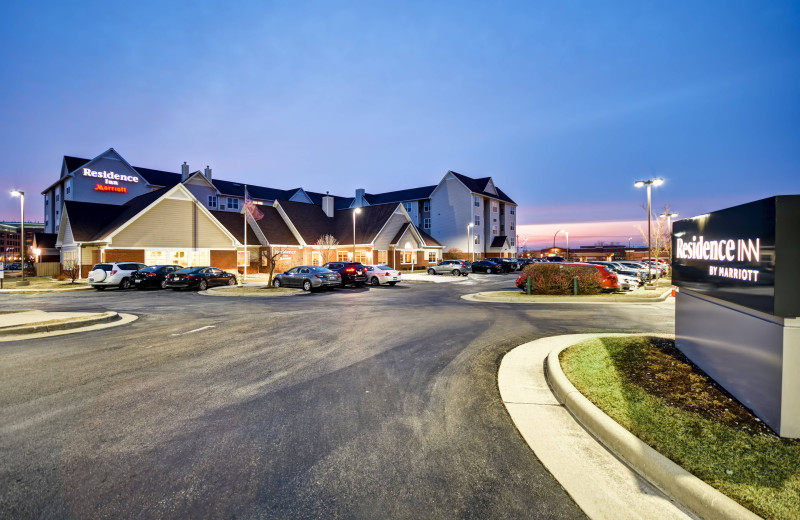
(199, 278)
(382, 274)
(153, 276)
(487, 266)
(308, 277)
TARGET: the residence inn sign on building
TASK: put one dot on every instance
(737, 313)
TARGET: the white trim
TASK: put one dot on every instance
(198, 173)
(289, 224)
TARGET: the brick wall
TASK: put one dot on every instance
(124, 255)
(225, 260)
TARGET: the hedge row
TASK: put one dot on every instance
(554, 278)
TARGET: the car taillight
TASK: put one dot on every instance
(151, 274)
(188, 276)
(339, 276)
(113, 271)
(350, 270)
(320, 276)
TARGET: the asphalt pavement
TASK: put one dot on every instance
(357, 403)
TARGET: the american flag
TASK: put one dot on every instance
(251, 207)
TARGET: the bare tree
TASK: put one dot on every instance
(327, 248)
(71, 270)
(660, 239)
(272, 256)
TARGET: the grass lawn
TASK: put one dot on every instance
(646, 385)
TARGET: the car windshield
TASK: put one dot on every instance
(321, 270)
(150, 269)
(189, 270)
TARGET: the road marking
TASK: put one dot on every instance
(195, 330)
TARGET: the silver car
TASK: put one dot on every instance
(454, 267)
(308, 277)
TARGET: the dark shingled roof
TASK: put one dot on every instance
(479, 186)
(91, 221)
(498, 241)
(236, 189)
(45, 240)
(429, 240)
(401, 195)
(309, 220)
(73, 163)
(159, 177)
(312, 223)
(338, 202)
(272, 226)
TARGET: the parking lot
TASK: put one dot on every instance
(369, 402)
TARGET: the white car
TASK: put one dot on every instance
(382, 274)
(113, 274)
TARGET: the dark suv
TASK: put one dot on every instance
(508, 265)
(352, 272)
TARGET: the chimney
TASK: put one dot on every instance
(359, 200)
(184, 172)
(327, 204)
(208, 173)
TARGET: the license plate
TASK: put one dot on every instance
(394, 278)
(136, 281)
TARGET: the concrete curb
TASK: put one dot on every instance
(660, 471)
(40, 291)
(45, 326)
(478, 297)
(220, 291)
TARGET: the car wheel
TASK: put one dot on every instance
(203, 285)
(456, 272)
(307, 285)
(232, 281)
(375, 282)
(431, 272)
(392, 283)
(276, 283)
(163, 284)
(125, 283)
(99, 287)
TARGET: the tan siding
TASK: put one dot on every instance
(392, 227)
(169, 224)
(68, 238)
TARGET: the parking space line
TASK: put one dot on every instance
(195, 330)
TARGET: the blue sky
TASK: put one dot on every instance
(564, 104)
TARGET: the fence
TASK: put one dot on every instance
(48, 268)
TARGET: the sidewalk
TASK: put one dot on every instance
(584, 449)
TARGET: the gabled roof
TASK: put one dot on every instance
(87, 219)
(429, 240)
(45, 240)
(499, 241)
(73, 163)
(401, 195)
(159, 177)
(271, 225)
(309, 220)
(129, 210)
(236, 189)
(479, 186)
(369, 222)
(338, 202)
(400, 233)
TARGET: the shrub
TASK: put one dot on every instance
(454, 254)
(555, 278)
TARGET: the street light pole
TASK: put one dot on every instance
(355, 212)
(650, 182)
(21, 195)
(554, 240)
(669, 216)
(469, 240)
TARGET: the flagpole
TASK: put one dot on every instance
(245, 232)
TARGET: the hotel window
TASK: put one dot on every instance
(511, 226)
(361, 256)
(68, 188)
(494, 230)
(407, 206)
(432, 256)
(343, 256)
(233, 203)
(316, 258)
(477, 202)
(426, 206)
(212, 201)
(57, 198)
(512, 241)
(241, 259)
(511, 209)
(477, 239)
(408, 257)
(382, 257)
(477, 220)
(494, 207)
(426, 223)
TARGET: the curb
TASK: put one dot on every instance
(44, 326)
(40, 291)
(477, 297)
(682, 486)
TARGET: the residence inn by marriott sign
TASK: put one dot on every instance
(737, 312)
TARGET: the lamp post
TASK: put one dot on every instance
(355, 212)
(649, 183)
(669, 216)
(554, 240)
(469, 240)
(21, 195)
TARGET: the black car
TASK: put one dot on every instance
(487, 266)
(199, 278)
(508, 265)
(354, 273)
(308, 277)
(153, 276)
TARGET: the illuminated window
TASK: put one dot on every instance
(212, 201)
(494, 230)
(361, 256)
(477, 239)
(382, 257)
(233, 203)
(241, 259)
(408, 257)
(343, 256)
(426, 223)
(432, 256)
(494, 207)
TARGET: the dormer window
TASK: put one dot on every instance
(212, 201)
(233, 203)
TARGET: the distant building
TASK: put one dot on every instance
(604, 253)
(10, 242)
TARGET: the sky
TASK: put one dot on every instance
(563, 104)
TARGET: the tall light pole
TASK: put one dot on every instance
(21, 195)
(355, 212)
(554, 240)
(669, 217)
(469, 240)
(649, 183)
